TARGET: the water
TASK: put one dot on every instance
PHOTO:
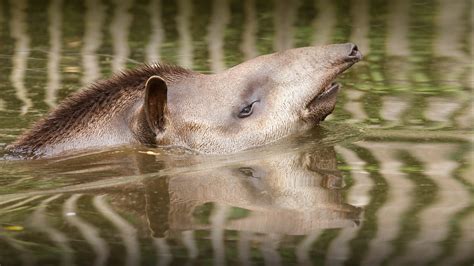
(387, 179)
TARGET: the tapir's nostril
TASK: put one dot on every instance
(354, 50)
(354, 53)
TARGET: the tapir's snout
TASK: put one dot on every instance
(345, 52)
(353, 53)
(319, 96)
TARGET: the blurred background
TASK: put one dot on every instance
(400, 139)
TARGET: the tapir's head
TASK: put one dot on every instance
(251, 104)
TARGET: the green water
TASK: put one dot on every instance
(388, 179)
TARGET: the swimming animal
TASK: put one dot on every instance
(251, 104)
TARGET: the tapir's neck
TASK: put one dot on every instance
(108, 113)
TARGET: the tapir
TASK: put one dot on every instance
(251, 104)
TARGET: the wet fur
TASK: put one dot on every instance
(97, 103)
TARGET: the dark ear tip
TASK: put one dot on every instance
(154, 80)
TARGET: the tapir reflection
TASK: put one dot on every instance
(294, 194)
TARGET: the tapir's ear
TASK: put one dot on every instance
(156, 102)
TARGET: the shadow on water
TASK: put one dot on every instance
(388, 177)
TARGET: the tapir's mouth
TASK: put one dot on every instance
(322, 104)
(328, 91)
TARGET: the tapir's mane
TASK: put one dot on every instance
(101, 98)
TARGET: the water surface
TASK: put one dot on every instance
(386, 180)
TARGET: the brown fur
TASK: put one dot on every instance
(96, 102)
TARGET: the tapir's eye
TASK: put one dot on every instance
(247, 171)
(247, 110)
